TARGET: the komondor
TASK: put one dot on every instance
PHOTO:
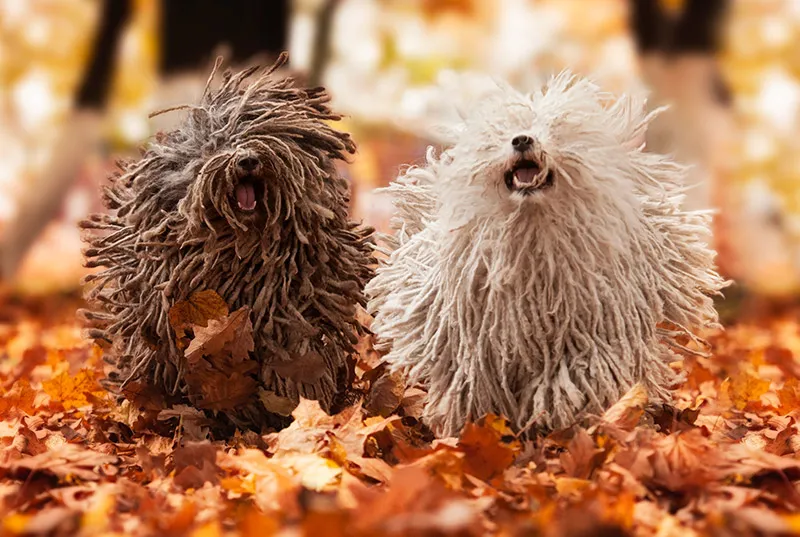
(243, 199)
(541, 265)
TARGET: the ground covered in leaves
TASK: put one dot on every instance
(721, 461)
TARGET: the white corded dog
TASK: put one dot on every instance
(541, 265)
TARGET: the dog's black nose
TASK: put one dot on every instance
(522, 142)
(248, 164)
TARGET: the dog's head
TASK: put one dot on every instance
(515, 151)
(247, 157)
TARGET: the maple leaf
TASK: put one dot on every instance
(20, 399)
(71, 391)
(230, 336)
(582, 456)
(789, 396)
(274, 485)
(489, 445)
(198, 309)
(746, 389)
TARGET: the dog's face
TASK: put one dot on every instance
(516, 151)
(249, 161)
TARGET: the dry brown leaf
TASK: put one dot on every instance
(215, 390)
(277, 404)
(582, 456)
(385, 395)
(229, 337)
(307, 368)
(69, 461)
(198, 309)
(195, 465)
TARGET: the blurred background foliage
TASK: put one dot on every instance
(384, 59)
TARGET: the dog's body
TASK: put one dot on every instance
(242, 199)
(541, 265)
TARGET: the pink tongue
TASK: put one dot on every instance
(246, 196)
(526, 175)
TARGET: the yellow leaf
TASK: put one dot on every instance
(792, 523)
(20, 397)
(15, 523)
(96, 519)
(71, 391)
(209, 529)
(571, 486)
(239, 485)
(747, 388)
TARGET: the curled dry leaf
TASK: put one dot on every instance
(625, 414)
(69, 461)
(385, 395)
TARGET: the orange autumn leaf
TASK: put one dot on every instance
(789, 396)
(747, 388)
(489, 445)
(20, 397)
(72, 391)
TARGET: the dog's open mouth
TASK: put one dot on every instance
(248, 192)
(527, 177)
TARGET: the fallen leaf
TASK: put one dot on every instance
(277, 404)
(68, 461)
(489, 445)
(71, 391)
(195, 465)
(385, 395)
(229, 337)
(20, 398)
(308, 368)
(625, 414)
(746, 388)
(198, 309)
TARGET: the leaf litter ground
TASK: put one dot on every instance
(722, 460)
